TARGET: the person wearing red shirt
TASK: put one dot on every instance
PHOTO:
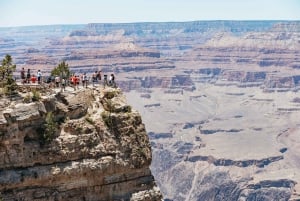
(33, 79)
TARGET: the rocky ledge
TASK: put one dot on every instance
(74, 145)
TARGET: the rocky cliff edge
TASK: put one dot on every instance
(74, 145)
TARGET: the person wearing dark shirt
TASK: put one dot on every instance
(28, 76)
(23, 75)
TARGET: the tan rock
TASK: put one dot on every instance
(84, 157)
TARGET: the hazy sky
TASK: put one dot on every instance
(40, 12)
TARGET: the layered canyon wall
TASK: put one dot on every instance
(83, 145)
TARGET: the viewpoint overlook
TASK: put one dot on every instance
(219, 100)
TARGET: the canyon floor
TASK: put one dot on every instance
(249, 134)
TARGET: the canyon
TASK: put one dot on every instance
(219, 99)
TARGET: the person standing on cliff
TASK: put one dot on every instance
(84, 80)
(23, 75)
(39, 76)
(99, 75)
(112, 80)
(105, 81)
(73, 80)
(28, 76)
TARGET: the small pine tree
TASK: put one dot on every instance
(7, 82)
(50, 129)
(61, 70)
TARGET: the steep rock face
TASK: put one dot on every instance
(99, 149)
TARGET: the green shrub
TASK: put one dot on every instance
(7, 81)
(27, 98)
(48, 131)
(36, 96)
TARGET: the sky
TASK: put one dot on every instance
(45, 12)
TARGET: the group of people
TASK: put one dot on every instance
(96, 78)
(74, 80)
(31, 78)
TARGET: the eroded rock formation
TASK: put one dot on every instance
(97, 150)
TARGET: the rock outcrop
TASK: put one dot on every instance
(83, 145)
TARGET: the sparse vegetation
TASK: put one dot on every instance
(36, 96)
(49, 129)
(61, 70)
(27, 98)
(7, 82)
